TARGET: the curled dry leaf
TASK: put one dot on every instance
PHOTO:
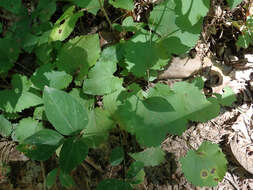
(241, 143)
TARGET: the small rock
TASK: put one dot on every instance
(249, 57)
(233, 58)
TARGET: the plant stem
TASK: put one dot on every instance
(43, 175)
(105, 14)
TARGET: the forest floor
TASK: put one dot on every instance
(232, 129)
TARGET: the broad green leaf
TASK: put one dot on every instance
(79, 54)
(9, 53)
(39, 79)
(66, 180)
(91, 5)
(179, 23)
(46, 9)
(123, 4)
(65, 24)
(13, 6)
(66, 114)
(233, 3)
(5, 127)
(148, 55)
(1, 28)
(112, 54)
(29, 41)
(43, 53)
(41, 145)
(128, 24)
(227, 98)
(198, 82)
(26, 128)
(46, 76)
(150, 157)
(110, 101)
(44, 137)
(139, 178)
(134, 169)
(194, 11)
(73, 153)
(113, 184)
(98, 128)
(86, 100)
(117, 156)
(164, 111)
(205, 166)
(101, 80)
(51, 178)
(58, 79)
(19, 97)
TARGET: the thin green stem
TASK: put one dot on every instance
(105, 14)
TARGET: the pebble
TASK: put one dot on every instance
(249, 57)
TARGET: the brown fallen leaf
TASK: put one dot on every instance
(181, 68)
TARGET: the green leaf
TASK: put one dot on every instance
(227, 98)
(26, 128)
(73, 153)
(110, 101)
(206, 166)
(44, 137)
(29, 41)
(66, 114)
(5, 127)
(139, 178)
(41, 145)
(43, 53)
(9, 53)
(19, 97)
(46, 76)
(51, 178)
(79, 54)
(134, 169)
(179, 22)
(13, 6)
(244, 40)
(39, 113)
(113, 184)
(46, 9)
(112, 54)
(117, 156)
(66, 180)
(58, 79)
(123, 4)
(148, 56)
(198, 82)
(91, 5)
(150, 157)
(164, 111)
(233, 3)
(65, 25)
(98, 128)
(101, 80)
(86, 100)
(194, 10)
